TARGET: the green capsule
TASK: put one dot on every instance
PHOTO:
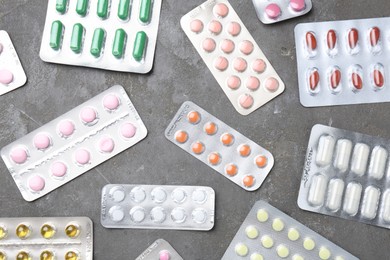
(56, 35)
(77, 38)
(139, 45)
(144, 11)
(97, 42)
(123, 9)
(119, 43)
(81, 7)
(102, 8)
(61, 6)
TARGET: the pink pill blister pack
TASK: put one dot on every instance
(158, 207)
(216, 144)
(343, 62)
(273, 11)
(160, 250)
(12, 75)
(346, 175)
(74, 143)
(268, 233)
(232, 55)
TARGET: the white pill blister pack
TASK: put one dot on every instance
(346, 175)
(268, 233)
(232, 55)
(343, 62)
(273, 11)
(74, 143)
(216, 144)
(12, 75)
(157, 207)
(160, 250)
(45, 238)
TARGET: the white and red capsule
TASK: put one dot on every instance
(334, 78)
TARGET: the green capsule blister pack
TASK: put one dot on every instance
(118, 35)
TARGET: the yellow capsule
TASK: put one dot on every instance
(48, 231)
(3, 233)
(23, 256)
(72, 230)
(71, 256)
(23, 231)
(47, 255)
(3, 256)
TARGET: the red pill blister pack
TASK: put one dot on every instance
(232, 55)
(160, 250)
(74, 143)
(12, 75)
(219, 146)
(343, 62)
(273, 11)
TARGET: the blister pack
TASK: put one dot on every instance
(160, 250)
(69, 238)
(116, 35)
(224, 149)
(12, 75)
(268, 233)
(157, 207)
(343, 62)
(346, 175)
(232, 55)
(273, 11)
(74, 143)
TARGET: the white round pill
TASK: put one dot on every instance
(117, 194)
(116, 214)
(159, 195)
(179, 195)
(137, 214)
(138, 194)
(199, 196)
(199, 215)
(178, 215)
(158, 214)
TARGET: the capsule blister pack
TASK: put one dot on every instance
(343, 62)
(346, 175)
(69, 238)
(160, 250)
(12, 75)
(232, 55)
(227, 151)
(118, 35)
(74, 143)
(268, 233)
(157, 207)
(273, 11)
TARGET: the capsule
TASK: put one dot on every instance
(82, 7)
(357, 81)
(370, 202)
(331, 39)
(123, 9)
(335, 194)
(377, 76)
(97, 42)
(119, 43)
(139, 45)
(386, 206)
(353, 38)
(343, 154)
(352, 198)
(325, 150)
(375, 35)
(360, 158)
(311, 41)
(77, 38)
(313, 81)
(317, 190)
(61, 6)
(56, 35)
(102, 8)
(144, 11)
(334, 78)
(376, 169)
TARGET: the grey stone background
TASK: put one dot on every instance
(282, 126)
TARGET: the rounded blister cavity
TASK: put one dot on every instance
(193, 117)
(313, 81)
(297, 257)
(208, 45)
(282, 251)
(199, 196)
(106, 144)
(23, 230)
(256, 256)
(72, 255)
(178, 215)
(293, 234)
(158, 214)
(214, 158)
(252, 83)
(277, 224)
(227, 139)
(42, 141)
(317, 190)
(262, 215)
(353, 41)
(82, 156)
(58, 169)
(231, 169)
(178, 195)
(89, 116)
(233, 82)
(352, 198)
(259, 66)
(248, 181)
(199, 215)
(325, 149)
(48, 230)
(355, 78)
(164, 255)
(331, 43)
(196, 26)
(370, 202)
(23, 255)
(335, 194)
(309, 244)
(138, 194)
(374, 39)
(215, 27)
(72, 230)
(159, 195)
(376, 168)
(220, 10)
(334, 79)
(117, 194)
(297, 5)
(246, 101)
(324, 253)
(116, 213)
(239, 64)
(360, 159)
(343, 155)
(385, 206)
(181, 136)
(36, 183)
(3, 231)
(311, 45)
(273, 11)
(271, 84)
(377, 76)
(267, 241)
(6, 76)
(251, 232)
(227, 46)
(137, 214)
(47, 255)
(128, 130)
(246, 47)
(221, 63)
(210, 128)
(197, 147)
(234, 28)
(66, 128)
(241, 249)
(19, 154)
(111, 102)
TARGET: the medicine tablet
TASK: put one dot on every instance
(278, 224)
(360, 158)
(137, 214)
(252, 232)
(335, 194)
(267, 241)
(370, 202)
(241, 249)
(293, 234)
(282, 251)
(377, 165)
(317, 190)
(160, 249)
(309, 244)
(325, 150)
(343, 154)
(352, 198)
(58, 169)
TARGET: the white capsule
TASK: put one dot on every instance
(360, 158)
(335, 194)
(343, 153)
(352, 198)
(376, 169)
(370, 202)
(386, 206)
(325, 150)
(317, 190)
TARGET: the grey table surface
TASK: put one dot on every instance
(282, 126)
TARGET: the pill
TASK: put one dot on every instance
(102, 8)
(378, 78)
(227, 139)
(210, 128)
(116, 214)
(158, 214)
(199, 215)
(331, 39)
(309, 244)
(227, 46)
(123, 9)
(248, 181)
(252, 83)
(23, 256)
(357, 81)
(324, 253)
(164, 255)
(61, 6)
(208, 45)
(97, 42)
(3, 232)
(239, 64)
(311, 41)
(82, 156)
(245, 101)
(256, 256)
(179, 195)
(70, 255)
(386, 206)
(375, 35)
(335, 194)
(360, 158)
(196, 26)
(48, 231)
(88, 115)
(241, 249)
(220, 10)
(36, 183)
(111, 102)
(117, 194)
(47, 255)
(181, 136)
(106, 144)
(343, 154)
(199, 196)
(271, 84)
(145, 11)
(82, 7)
(41, 141)
(19, 155)
(245, 150)
(259, 66)
(317, 190)
(246, 47)
(23, 230)
(262, 215)
(56, 35)
(215, 27)
(231, 169)
(214, 158)
(251, 232)
(314, 79)
(193, 117)
(352, 198)
(267, 241)
(72, 230)
(178, 215)
(66, 128)
(128, 130)
(119, 43)
(197, 147)
(377, 165)
(297, 5)
(159, 195)
(282, 251)
(221, 63)
(233, 82)
(353, 38)
(370, 202)
(137, 194)
(139, 45)
(261, 161)
(297, 257)
(272, 11)
(278, 224)
(335, 78)
(234, 28)
(77, 38)
(325, 150)
(293, 234)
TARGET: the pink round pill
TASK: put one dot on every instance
(164, 255)
(239, 64)
(88, 115)
(259, 66)
(297, 5)
(106, 144)
(272, 11)
(196, 26)
(220, 10)
(82, 156)
(234, 28)
(246, 101)
(128, 130)
(246, 47)
(253, 83)
(19, 155)
(1, 48)
(6, 76)
(271, 84)
(36, 183)
(233, 82)
(42, 141)
(111, 102)
(58, 169)
(221, 63)
(66, 128)
(215, 27)
(227, 46)
(208, 45)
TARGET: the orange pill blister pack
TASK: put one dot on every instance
(160, 249)
(219, 146)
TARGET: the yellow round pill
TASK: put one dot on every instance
(23, 231)
(241, 249)
(3, 232)
(23, 256)
(48, 231)
(297, 257)
(70, 255)
(293, 234)
(262, 215)
(3, 256)
(267, 241)
(282, 251)
(47, 255)
(324, 253)
(309, 244)
(251, 232)
(339, 258)
(72, 230)
(278, 224)
(256, 256)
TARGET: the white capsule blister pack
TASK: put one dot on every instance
(46, 238)
(268, 233)
(216, 144)
(232, 55)
(157, 207)
(74, 143)
(160, 250)
(273, 11)
(12, 75)
(346, 175)
(119, 35)
(343, 62)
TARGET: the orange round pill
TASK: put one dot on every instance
(244, 150)
(261, 161)
(214, 158)
(210, 128)
(197, 147)
(248, 181)
(193, 117)
(231, 169)
(181, 136)
(227, 139)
